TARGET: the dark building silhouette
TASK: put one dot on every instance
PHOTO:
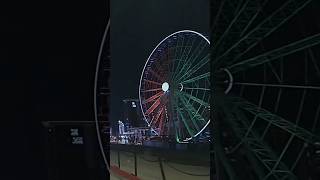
(72, 151)
(132, 115)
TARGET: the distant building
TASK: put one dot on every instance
(132, 114)
(79, 159)
(121, 127)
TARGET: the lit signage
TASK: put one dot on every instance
(76, 138)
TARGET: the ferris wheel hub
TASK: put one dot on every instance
(165, 86)
(180, 86)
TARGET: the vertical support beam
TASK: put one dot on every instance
(135, 164)
(118, 159)
(220, 156)
(161, 168)
(254, 161)
(224, 161)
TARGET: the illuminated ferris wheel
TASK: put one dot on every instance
(174, 87)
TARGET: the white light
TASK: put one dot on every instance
(165, 86)
(133, 104)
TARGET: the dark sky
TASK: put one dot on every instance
(136, 28)
(47, 70)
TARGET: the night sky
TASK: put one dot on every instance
(47, 70)
(136, 28)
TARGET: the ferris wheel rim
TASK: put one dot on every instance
(143, 70)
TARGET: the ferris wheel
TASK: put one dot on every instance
(267, 90)
(174, 89)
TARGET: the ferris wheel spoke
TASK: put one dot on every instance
(160, 79)
(150, 99)
(276, 107)
(284, 150)
(153, 106)
(166, 65)
(236, 5)
(262, 151)
(202, 76)
(157, 116)
(151, 90)
(191, 59)
(190, 114)
(278, 85)
(251, 13)
(314, 61)
(195, 68)
(205, 104)
(150, 121)
(161, 124)
(178, 48)
(180, 113)
(278, 77)
(255, 119)
(187, 48)
(204, 89)
(240, 23)
(184, 55)
(275, 120)
(193, 113)
(316, 119)
(225, 12)
(275, 54)
(152, 82)
(219, 10)
(204, 61)
(160, 69)
(265, 28)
